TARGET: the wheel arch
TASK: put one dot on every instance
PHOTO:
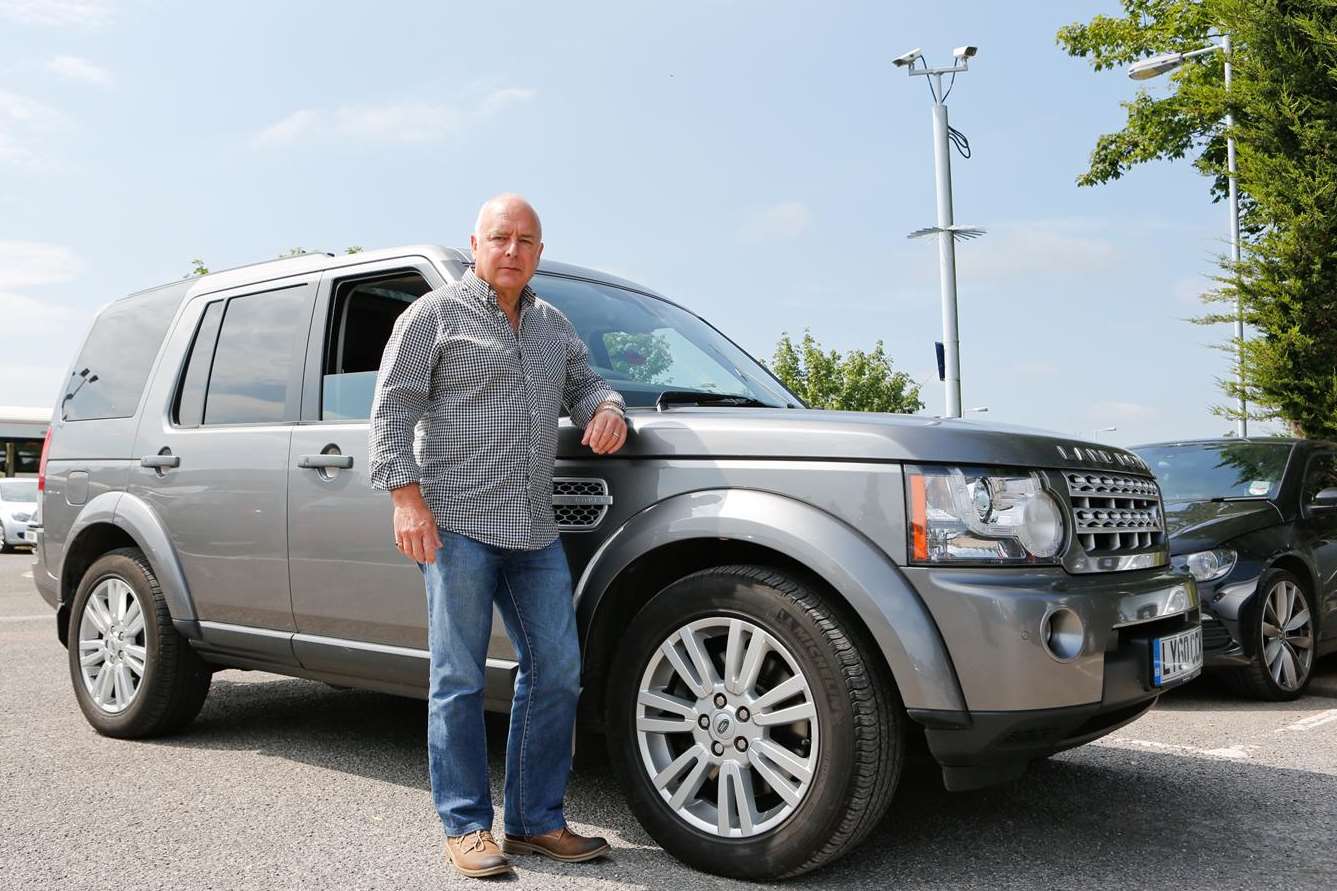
(692, 531)
(116, 520)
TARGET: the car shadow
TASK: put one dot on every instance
(1087, 816)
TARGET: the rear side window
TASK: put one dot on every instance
(248, 383)
(109, 375)
(242, 360)
(362, 315)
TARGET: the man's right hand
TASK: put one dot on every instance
(415, 527)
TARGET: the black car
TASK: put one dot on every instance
(1255, 522)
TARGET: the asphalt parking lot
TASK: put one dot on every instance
(286, 783)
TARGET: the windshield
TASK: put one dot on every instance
(643, 346)
(18, 490)
(1201, 472)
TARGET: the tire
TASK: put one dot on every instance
(1281, 595)
(6, 548)
(168, 690)
(854, 747)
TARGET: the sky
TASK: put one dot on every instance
(759, 162)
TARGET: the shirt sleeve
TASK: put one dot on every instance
(403, 389)
(584, 389)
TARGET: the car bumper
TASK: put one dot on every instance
(14, 532)
(1023, 700)
(1223, 606)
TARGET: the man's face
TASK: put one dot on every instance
(507, 247)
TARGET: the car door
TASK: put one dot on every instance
(358, 604)
(1318, 529)
(214, 456)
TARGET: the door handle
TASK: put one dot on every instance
(160, 462)
(321, 462)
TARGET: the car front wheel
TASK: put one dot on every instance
(756, 737)
(1281, 627)
(133, 675)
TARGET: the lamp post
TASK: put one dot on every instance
(946, 230)
(1166, 62)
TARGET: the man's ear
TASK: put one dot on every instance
(473, 244)
(540, 253)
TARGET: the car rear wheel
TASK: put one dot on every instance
(1282, 631)
(133, 675)
(755, 736)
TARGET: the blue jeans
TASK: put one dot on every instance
(532, 590)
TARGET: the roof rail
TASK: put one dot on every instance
(263, 262)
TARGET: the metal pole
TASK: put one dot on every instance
(942, 166)
(1242, 425)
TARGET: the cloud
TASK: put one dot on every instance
(27, 263)
(498, 100)
(779, 222)
(288, 130)
(75, 68)
(1038, 248)
(84, 13)
(22, 120)
(394, 123)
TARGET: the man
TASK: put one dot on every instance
(485, 366)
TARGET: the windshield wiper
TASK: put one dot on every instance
(1219, 498)
(698, 397)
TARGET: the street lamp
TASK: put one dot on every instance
(946, 230)
(979, 408)
(1154, 67)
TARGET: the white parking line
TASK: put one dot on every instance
(26, 575)
(1230, 753)
(42, 618)
(1318, 719)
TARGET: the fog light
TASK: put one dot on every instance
(1063, 634)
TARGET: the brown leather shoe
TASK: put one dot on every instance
(560, 844)
(476, 854)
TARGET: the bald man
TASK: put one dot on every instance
(486, 366)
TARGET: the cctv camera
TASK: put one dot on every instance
(908, 58)
(965, 52)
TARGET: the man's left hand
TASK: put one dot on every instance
(606, 433)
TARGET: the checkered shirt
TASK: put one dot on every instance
(468, 409)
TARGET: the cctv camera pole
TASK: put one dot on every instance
(947, 230)
(942, 168)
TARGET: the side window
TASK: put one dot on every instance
(253, 361)
(189, 410)
(1321, 474)
(362, 315)
(113, 365)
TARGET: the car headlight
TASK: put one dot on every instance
(19, 517)
(1207, 566)
(980, 515)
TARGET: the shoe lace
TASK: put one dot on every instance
(476, 840)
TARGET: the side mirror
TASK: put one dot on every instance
(1326, 499)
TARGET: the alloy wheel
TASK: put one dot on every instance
(727, 727)
(1287, 635)
(111, 645)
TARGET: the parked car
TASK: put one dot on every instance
(771, 599)
(18, 502)
(1255, 522)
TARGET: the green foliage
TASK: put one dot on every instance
(353, 249)
(1284, 100)
(197, 267)
(641, 357)
(856, 381)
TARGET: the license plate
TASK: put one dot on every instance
(1177, 657)
(30, 536)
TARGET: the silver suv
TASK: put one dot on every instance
(776, 604)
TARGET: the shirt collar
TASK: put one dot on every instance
(484, 292)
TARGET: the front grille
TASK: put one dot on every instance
(1113, 514)
(579, 502)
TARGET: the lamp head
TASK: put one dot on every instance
(908, 58)
(1155, 66)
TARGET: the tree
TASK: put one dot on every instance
(641, 357)
(856, 381)
(1284, 100)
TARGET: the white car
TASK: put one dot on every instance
(18, 502)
